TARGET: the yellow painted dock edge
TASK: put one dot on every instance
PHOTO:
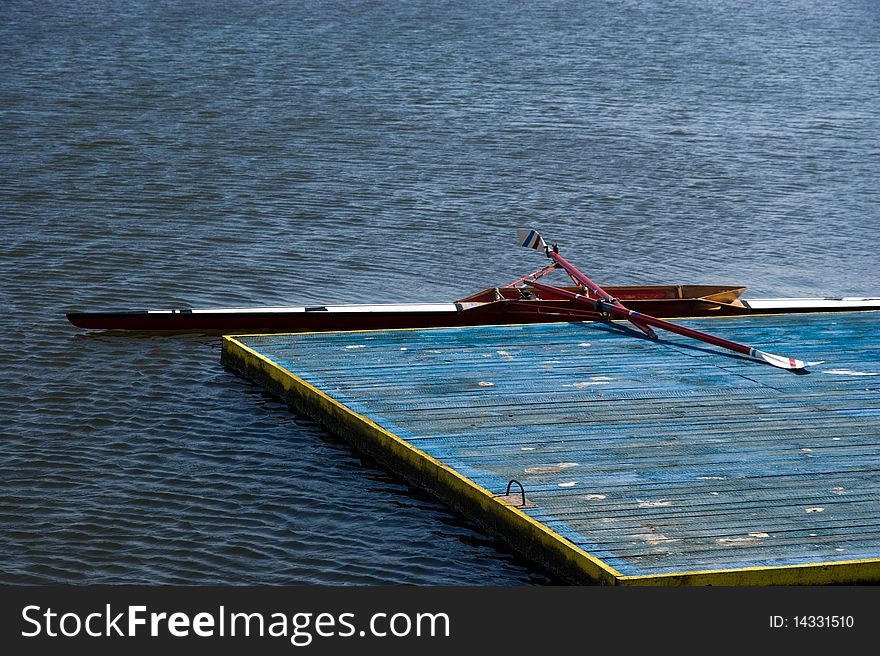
(529, 537)
(497, 517)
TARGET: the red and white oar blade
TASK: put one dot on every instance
(530, 239)
(780, 360)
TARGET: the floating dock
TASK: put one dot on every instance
(611, 459)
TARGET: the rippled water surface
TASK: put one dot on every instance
(213, 154)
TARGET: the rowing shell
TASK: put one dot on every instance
(495, 306)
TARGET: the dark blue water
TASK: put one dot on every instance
(214, 154)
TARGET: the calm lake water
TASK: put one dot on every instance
(157, 154)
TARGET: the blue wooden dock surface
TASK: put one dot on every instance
(670, 462)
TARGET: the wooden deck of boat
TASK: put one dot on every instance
(670, 463)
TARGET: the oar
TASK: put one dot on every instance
(606, 305)
(533, 239)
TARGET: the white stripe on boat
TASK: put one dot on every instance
(397, 307)
(800, 303)
(754, 304)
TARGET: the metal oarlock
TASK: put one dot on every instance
(604, 305)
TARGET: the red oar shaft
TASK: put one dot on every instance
(682, 330)
(623, 313)
(577, 274)
(607, 305)
(581, 277)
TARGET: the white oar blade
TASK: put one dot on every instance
(530, 239)
(780, 360)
